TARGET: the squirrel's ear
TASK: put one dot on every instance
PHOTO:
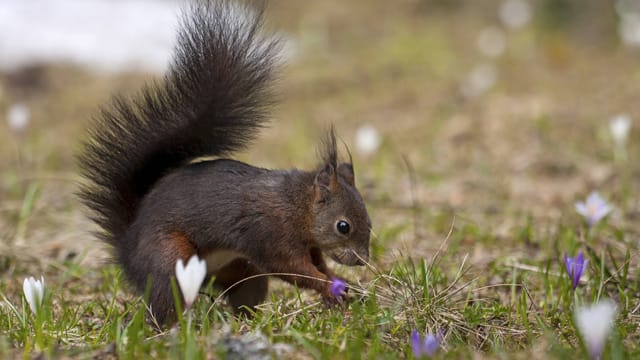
(345, 171)
(326, 183)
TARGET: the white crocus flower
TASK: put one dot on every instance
(33, 292)
(491, 42)
(594, 324)
(619, 127)
(515, 13)
(18, 117)
(481, 78)
(367, 139)
(594, 208)
(190, 277)
(629, 27)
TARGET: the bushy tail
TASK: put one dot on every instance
(212, 100)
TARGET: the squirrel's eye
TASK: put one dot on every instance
(343, 227)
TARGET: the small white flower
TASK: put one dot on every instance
(367, 139)
(491, 42)
(515, 13)
(629, 29)
(18, 117)
(627, 6)
(594, 209)
(620, 126)
(33, 292)
(190, 277)
(481, 78)
(594, 324)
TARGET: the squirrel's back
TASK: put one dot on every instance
(213, 98)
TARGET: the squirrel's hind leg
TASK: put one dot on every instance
(243, 296)
(152, 265)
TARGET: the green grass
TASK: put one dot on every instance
(472, 200)
(497, 318)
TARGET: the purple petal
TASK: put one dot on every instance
(571, 265)
(575, 267)
(567, 263)
(338, 287)
(431, 344)
(575, 280)
(416, 344)
(578, 270)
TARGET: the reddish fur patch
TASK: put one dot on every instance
(178, 247)
(312, 279)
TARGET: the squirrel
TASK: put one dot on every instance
(156, 200)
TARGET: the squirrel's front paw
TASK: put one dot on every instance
(337, 294)
(335, 301)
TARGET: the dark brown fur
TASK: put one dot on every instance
(155, 206)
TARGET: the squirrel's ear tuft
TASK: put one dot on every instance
(345, 171)
(330, 149)
(326, 181)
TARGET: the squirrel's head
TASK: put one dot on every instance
(341, 224)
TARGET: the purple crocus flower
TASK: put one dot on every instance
(594, 209)
(424, 347)
(338, 287)
(575, 267)
(416, 343)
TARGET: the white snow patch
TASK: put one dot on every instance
(104, 35)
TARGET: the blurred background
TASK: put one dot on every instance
(495, 113)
